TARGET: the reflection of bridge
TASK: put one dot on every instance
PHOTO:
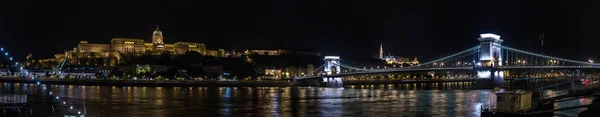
(489, 60)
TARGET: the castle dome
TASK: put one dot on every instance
(157, 31)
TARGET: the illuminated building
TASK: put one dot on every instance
(139, 46)
(400, 60)
(277, 52)
(272, 73)
(127, 45)
(396, 59)
(95, 53)
(295, 71)
(266, 52)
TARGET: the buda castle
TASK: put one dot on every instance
(111, 53)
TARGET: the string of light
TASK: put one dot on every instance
(57, 98)
(10, 58)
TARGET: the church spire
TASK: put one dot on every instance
(381, 50)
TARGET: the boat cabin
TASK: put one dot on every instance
(517, 101)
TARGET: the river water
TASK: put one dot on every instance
(369, 100)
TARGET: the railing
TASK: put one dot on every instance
(13, 98)
(548, 67)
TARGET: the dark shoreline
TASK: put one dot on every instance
(191, 83)
(178, 83)
(265, 83)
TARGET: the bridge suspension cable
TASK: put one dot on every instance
(10, 58)
(546, 57)
(313, 72)
(473, 50)
(350, 67)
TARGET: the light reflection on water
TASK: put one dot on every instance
(269, 101)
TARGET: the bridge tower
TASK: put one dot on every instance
(490, 52)
(330, 65)
(490, 56)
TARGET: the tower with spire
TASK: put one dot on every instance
(381, 50)
(157, 39)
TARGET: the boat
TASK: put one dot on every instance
(509, 103)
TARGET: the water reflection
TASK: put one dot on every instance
(359, 100)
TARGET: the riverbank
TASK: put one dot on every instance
(378, 82)
(476, 83)
(171, 83)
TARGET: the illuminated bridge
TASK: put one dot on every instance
(489, 59)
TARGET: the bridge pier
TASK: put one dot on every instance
(488, 77)
(333, 81)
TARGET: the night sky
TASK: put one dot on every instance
(350, 28)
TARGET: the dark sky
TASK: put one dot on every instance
(351, 28)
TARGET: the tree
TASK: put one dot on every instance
(165, 59)
(117, 73)
(245, 70)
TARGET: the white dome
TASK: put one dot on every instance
(157, 32)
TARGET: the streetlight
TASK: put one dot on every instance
(591, 61)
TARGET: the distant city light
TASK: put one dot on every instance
(490, 35)
(57, 97)
(71, 107)
(10, 58)
(2, 49)
(6, 53)
(64, 102)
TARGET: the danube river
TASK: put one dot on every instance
(363, 100)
